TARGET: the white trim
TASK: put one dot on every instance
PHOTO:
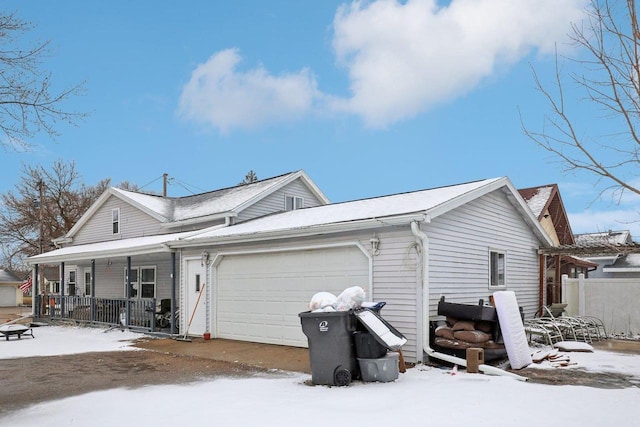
(621, 269)
(504, 267)
(184, 286)
(294, 200)
(84, 273)
(139, 281)
(113, 221)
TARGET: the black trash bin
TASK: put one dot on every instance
(331, 346)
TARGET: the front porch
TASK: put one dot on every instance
(144, 314)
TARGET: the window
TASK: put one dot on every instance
(497, 269)
(87, 282)
(293, 202)
(143, 282)
(115, 220)
(71, 285)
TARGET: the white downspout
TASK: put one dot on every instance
(487, 369)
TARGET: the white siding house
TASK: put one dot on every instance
(250, 275)
(262, 273)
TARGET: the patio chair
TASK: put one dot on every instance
(577, 328)
(543, 328)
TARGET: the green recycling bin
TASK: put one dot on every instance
(331, 346)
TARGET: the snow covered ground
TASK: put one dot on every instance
(422, 396)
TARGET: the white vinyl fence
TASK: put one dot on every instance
(615, 301)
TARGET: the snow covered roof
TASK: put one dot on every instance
(321, 219)
(8, 277)
(629, 263)
(176, 209)
(200, 207)
(605, 238)
(545, 202)
(538, 201)
(123, 247)
(376, 211)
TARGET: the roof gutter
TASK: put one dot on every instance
(194, 241)
(426, 346)
(107, 253)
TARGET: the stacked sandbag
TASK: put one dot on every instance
(463, 334)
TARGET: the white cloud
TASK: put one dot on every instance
(404, 58)
(220, 95)
(606, 210)
(592, 221)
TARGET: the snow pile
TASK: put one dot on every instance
(59, 340)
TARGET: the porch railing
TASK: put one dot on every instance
(134, 313)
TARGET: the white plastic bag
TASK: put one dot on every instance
(322, 300)
(350, 298)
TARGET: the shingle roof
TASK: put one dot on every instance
(622, 237)
(8, 277)
(546, 198)
(173, 209)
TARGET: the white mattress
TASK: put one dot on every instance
(513, 334)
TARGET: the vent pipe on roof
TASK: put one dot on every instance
(164, 184)
(426, 346)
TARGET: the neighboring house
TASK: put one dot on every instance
(10, 293)
(249, 279)
(608, 249)
(546, 204)
(625, 267)
(126, 231)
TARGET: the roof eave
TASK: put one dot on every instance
(108, 253)
(306, 231)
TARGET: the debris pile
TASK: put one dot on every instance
(555, 358)
(463, 334)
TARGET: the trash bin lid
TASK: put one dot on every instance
(382, 331)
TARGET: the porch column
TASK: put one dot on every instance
(128, 318)
(36, 306)
(557, 280)
(93, 290)
(173, 293)
(62, 290)
(542, 280)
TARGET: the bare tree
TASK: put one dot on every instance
(249, 178)
(28, 103)
(45, 205)
(608, 80)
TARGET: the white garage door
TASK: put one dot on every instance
(259, 296)
(7, 296)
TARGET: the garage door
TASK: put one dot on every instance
(7, 296)
(259, 296)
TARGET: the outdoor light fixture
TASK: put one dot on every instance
(375, 245)
(204, 258)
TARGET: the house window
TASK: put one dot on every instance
(143, 282)
(497, 269)
(115, 220)
(293, 202)
(71, 285)
(87, 282)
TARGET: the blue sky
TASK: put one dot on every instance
(369, 98)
